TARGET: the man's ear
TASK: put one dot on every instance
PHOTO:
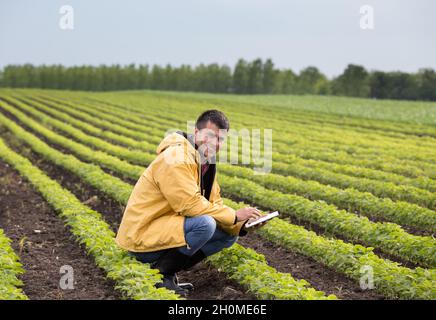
(197, 138)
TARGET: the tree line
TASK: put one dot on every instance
(247, 77)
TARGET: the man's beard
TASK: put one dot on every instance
(211, 153)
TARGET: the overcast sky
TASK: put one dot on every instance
(295, 34)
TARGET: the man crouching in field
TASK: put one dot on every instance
(175, 216)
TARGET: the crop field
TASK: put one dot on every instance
(353, 179)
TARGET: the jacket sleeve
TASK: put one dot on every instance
(237, 229)
(178, 184)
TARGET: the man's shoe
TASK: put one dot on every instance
(184, 285)
(169, 283)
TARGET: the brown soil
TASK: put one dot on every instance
(44, 245)
(302, 267)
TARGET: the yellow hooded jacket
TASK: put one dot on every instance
(167, 192)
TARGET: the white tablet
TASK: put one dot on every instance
(262, 219)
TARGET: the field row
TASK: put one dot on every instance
(10, 270)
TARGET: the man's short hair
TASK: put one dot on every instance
(215, 116)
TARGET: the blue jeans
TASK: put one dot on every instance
(201, 232)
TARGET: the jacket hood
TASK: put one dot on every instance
(174, 139)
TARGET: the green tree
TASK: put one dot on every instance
(255, 77)
(354, 81)
(240, 77)
(269, 77)
(157, 78)
(311, 81)
(426, 80)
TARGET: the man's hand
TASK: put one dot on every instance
(247, 213)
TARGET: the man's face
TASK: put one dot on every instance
(209, 139)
